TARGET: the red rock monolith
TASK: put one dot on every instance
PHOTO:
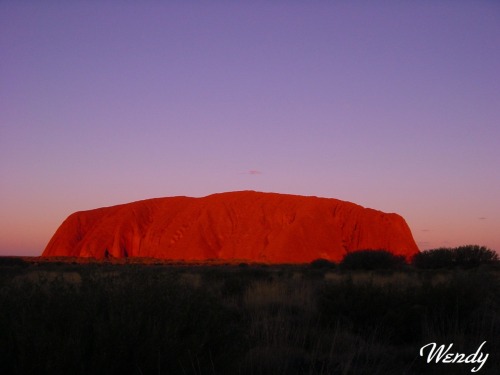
(244, 226)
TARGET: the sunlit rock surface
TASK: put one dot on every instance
(236, 226)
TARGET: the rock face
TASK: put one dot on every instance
(237, 226)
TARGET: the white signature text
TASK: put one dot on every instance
(443, 354)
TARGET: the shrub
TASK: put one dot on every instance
(322, 264)
(473, 255)
(467, 256)
(433, 259)
(371, 260)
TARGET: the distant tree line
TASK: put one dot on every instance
(468, 256)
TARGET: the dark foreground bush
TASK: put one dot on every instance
(371, 260)
(467, 256)
(433, 259)
(474, 255)
(322, 264)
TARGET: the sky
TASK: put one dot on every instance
(391, 105)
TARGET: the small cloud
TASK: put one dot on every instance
(254, 172)
(482, 218)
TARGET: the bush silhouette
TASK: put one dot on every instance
(371, 260)
(442, 257)
(473, 255)
(467, 256)
(322, 264)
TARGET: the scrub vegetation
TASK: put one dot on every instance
(321, 318)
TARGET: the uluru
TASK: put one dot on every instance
(235, 226)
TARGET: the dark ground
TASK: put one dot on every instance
(104, 318)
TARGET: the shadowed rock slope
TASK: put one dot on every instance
(236, 226)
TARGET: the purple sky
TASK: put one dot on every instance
(394, 106)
